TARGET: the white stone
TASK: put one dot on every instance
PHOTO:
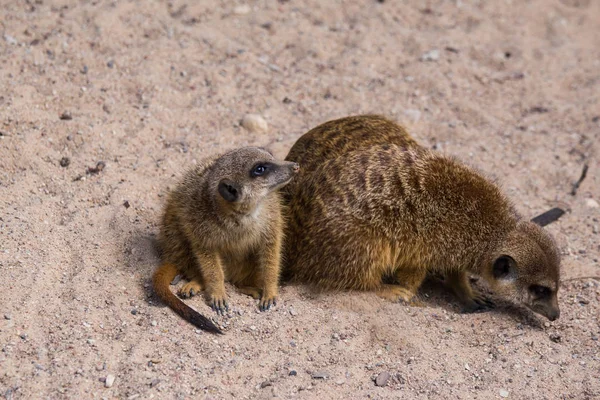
(242, 10)
(591, 203)
(432, 55)
(110, 379)
(255, 123)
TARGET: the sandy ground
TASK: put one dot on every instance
(150, 87)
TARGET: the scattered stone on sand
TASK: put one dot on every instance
(503, 393)
(293, 312)
(382, 379)
(320, 375)
(7, 316)
(431, 55)
(65, 161)
(176, 280)
(110, 379)
(66, 116)
(265, 384)
(254, 123)
(555, 337)
(293, 373)
(242, 9)
(591, 203)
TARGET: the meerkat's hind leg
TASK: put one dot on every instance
(471, 299)
(254, 292)
(395, 292)
(190, 289)
(408, 283)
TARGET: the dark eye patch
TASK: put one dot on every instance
(540, 291)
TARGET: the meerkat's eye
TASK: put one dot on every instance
(540, 291)
(259, 170)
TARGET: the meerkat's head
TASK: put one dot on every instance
(243, 177)
(526, 268)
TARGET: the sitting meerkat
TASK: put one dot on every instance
(224, 222)
(395, 209)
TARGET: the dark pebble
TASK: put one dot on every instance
(176, 280)
(293, 373)
(265, 384)
(66, 116)
(134, 311)
(65, 161)
(126, 204)
(382, 379)
(110, 64)
(97, 169)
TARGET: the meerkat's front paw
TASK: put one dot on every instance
(190, 289)
(267, 301)
(395, 293)
(478, 302)
(218, 302)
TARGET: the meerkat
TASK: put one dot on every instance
(401, 211)
(334, 138)
(340, 136)
(224, 222)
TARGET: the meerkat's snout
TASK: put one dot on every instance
(544, 301)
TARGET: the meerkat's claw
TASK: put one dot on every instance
(266, 303)
(220, 306)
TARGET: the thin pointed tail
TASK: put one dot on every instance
(161, 281)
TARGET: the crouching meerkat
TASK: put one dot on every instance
(393, 209)
(224, 222)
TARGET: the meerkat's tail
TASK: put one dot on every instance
(161, 281)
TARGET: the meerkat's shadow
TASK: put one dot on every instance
(142, 253)
(434, 292)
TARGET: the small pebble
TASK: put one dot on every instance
(126, 204)
(153, 323)
(23, 336)
(154, 382)
(382, 379)
(591, 203)
(555, 337)
(320, 375)
(293, 312)
(7, 316)
(254, 123)
(265, 384)
(66, 116)
(242, 10)
(10, 40)
(293, 373)
(432, 55)
(108, 382)
(503, 393)
(110, 64)
(176, 280)
(65, 161)
(134, 311)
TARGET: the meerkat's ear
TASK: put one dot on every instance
(229, 190)
(505, 268)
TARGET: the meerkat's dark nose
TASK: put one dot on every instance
(553, 315)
